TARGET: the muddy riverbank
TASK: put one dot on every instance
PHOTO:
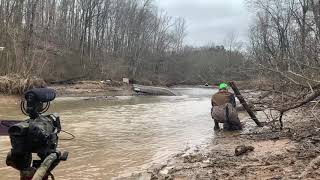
(93, 88)
(10, 99)
(82, 89)
(292, 153)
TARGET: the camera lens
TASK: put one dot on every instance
(19, 129)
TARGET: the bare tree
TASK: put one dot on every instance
(103, 39)
(284, 38)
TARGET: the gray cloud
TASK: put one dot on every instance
(210, 20)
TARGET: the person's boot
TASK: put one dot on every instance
(216, 126)
(227, 124)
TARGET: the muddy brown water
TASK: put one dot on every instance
(122, 135)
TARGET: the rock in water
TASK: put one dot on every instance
(243, 150)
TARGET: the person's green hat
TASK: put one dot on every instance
(223, 86)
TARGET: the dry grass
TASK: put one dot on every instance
(17, 85)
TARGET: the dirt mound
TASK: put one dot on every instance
(16, 84)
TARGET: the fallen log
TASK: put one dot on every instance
(306, 100)
(244, 103)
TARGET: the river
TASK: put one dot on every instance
(122, 135)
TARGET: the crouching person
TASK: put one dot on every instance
(224, 109)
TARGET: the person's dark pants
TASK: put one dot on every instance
(231, 125)
(228, 116)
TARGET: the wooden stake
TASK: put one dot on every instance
(244, 103)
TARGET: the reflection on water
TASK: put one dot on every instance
(122, 135)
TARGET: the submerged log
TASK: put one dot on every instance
(152, 90)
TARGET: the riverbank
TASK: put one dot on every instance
(291, 153)
(78, 89)
(9, 99)
(93, 89)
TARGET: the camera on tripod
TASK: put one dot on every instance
(39, 134)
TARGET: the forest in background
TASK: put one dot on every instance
(112, 39)
(284, 41)
(106, 39)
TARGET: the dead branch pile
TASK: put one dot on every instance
(283, 100)
(284, 49)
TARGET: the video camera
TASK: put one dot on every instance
(39, 134)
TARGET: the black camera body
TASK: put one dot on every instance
(39, 134)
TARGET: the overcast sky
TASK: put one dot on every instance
(210, 20)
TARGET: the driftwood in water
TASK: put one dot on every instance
(151, 90)
(244, 103)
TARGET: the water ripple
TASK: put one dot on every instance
(125, 135)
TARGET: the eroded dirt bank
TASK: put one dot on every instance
(90, 89)
(93, 88)
(293, 153)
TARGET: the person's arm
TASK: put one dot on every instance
(212, 101)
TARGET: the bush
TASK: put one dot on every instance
(17, 85)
